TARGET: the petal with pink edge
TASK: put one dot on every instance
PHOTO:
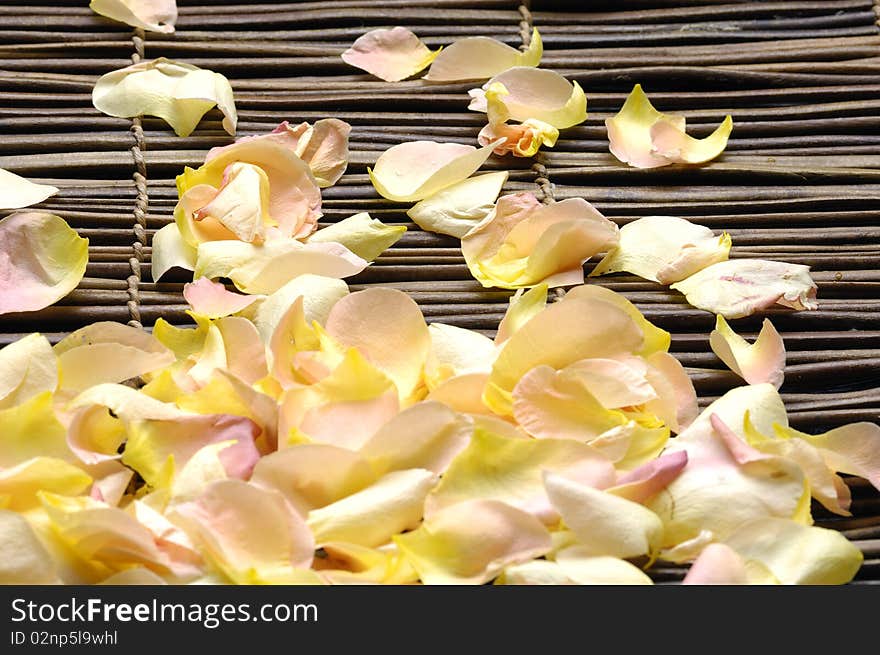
(756, 363)
(389, 54)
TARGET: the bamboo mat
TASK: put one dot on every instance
(800, 180)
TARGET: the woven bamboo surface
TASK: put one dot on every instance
(800, 180)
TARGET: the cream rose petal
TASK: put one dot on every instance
(579, 565)
(170, 251)
(676, 402)
(364, 236)
(267, 268)
(211, 299)
(472, 542)
(389, 54)
(427, 435)
(604, 524)
(17, 192)
(176, 92)
(762, 361)
(418, 169)
(496, 467)
(718, 564)
(664, 249)
(250, 534)
(108, 352)
(25, 560)
(318, 294)
(522, 306)
(152, 15)
(740, 287)
(370, 517)
(760, 403)
(642, 137)
(28, 367)
(388, 328)
(462, 393)
(310, 476)
(458, 208)
(536, 93)
(41, 260)
(456, 351)
(479, 58)
(21, 485)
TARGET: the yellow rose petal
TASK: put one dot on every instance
(364, 236)
(25, 560)
(170, 251)
(28, 367)
(479, 58)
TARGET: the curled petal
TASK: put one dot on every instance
(419, 169)
(740, 287)
(496, 467)
(178, 93)
(323, 146)
(473, 541)
(170, 251)
(313, 475)
(387, 326)
(758, 407)
(536, 93)
(17, 192)
(676, 402)
(664, 249)
(523, 243)
(25, 560)
(646, 481)
(479, 58)
(522, 306)
(238, 209)
(642, 137)
(345, 563)
(211, 299)
(266, 268)
(391, 55)
(250, 534)
(28, 367)
(762, 361)
(127, 403)
(41, 260)
(458, 208)
(108, 352)
(370, 517)
(522, 140)
(152, 15)
(364, 236)
(604, 524)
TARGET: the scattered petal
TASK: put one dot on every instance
(170, 251)
(522, 307)
(740, 287)
(178, 93)
(479, 58)
(521, 140)
(364, 236)
(152, 15)
(456, 351)
(211, 299)
(419, 169)
(391, 55)
(664, 249)
(41, 260)
(762, 361)
(17, 192)
(458, 208)
(28, 367)
(25, 560)
(318, 294)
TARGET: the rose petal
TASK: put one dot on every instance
(22, 484)
(642, 137)
(664, 249)
(267, 268)
(170, 251)
(522, 306)
(718, 564)
(645, 482)
(152, 15)
(479, 58)
(762, 361)
(17, 192)
(581, 567)
(462, 393)
(178, 93)
(495, 467)
(456, 351)
(739, 287)
(25, 560)
(313, 475)
(523, 243)
(249, 534)
(605, 524)
(536, 93)
(391, 55)
(425, 436)
(127, 403)
(31, 429)
(239, 208)
(521, 140)
(323, 146)
(108, 352)
(458, 208)
(28, 367)
(419, 169)
(388, 328)
(294, 201)
(318, 294)
(364, 236)
(41, 261)
(760, 403)
(211, 299)
(472, 542)
(676, 403)
(370, 517)
(345, 563)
